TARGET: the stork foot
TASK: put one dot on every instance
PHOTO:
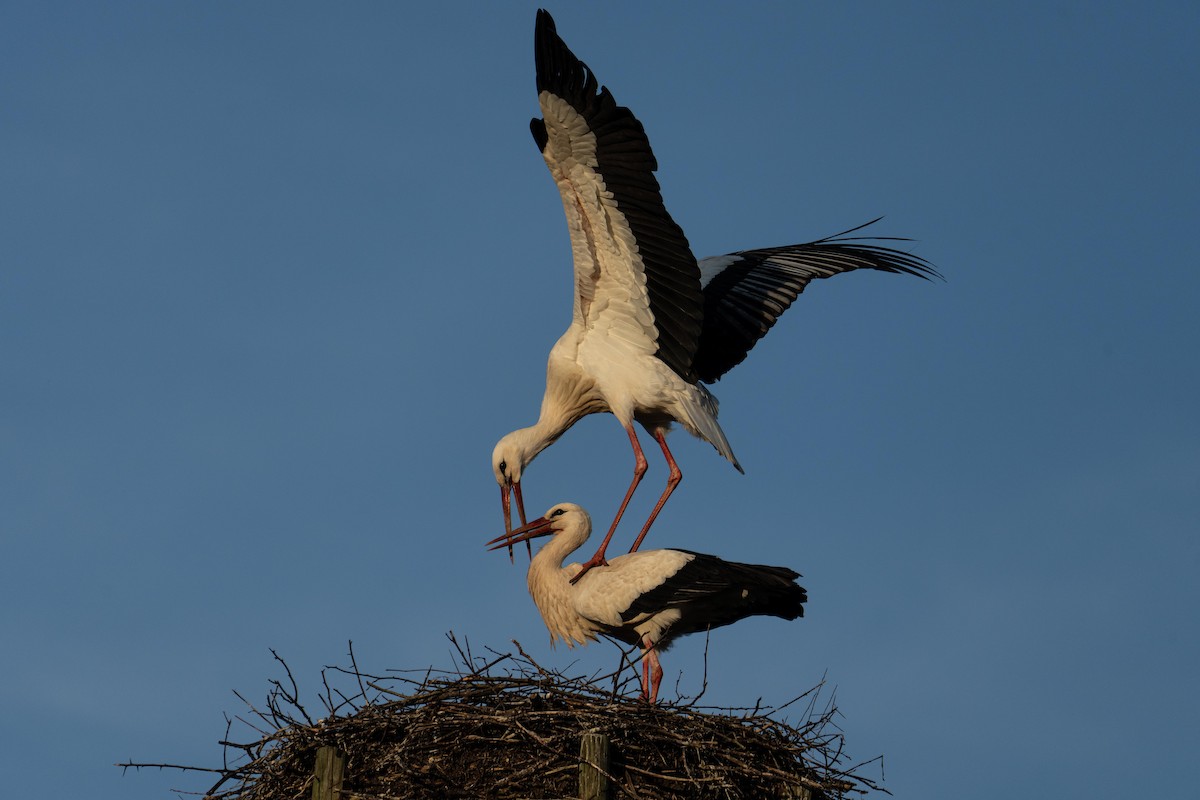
(595, 561)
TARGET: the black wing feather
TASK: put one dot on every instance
(711, 592)
(627, 165)
(743, 301)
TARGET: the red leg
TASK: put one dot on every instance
(639, 469)
(645, 678)
(672, 481)
(651, 671)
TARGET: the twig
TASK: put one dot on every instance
(136, 766)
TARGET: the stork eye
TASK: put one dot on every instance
(558, 512)
(503, 466)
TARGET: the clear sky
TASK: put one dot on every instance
(275, 277)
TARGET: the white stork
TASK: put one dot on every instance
(650, 323)
(647, 598)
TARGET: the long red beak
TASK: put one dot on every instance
(505, 502)
(539, 527)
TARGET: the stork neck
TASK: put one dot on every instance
(552, 555)
(552, 423)
(547, 578)
(570, 395)
(533, 440)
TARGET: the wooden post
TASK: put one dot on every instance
(327, 774)
(593, 782)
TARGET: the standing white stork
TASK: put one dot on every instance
(647, 598)
(650, 323)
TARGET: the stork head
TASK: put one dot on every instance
(508, 460)
(564, 518)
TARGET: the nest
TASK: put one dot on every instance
(505, 727)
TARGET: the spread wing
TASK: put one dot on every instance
(747, 291)
(635, 275)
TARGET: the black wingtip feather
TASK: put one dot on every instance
(537, 126)
(711, 592)
(745, 299)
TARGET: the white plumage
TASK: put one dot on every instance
(646, 598)
(650, 324)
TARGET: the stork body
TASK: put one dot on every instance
(650, 323)
(646, 598)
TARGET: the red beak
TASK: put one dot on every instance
(539, 527)
(515, 488)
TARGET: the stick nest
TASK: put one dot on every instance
(505, 727)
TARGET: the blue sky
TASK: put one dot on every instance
(275, 277)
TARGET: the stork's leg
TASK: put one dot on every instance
(645, 676)
(639, 469)
(672, 481)
(651, 671)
